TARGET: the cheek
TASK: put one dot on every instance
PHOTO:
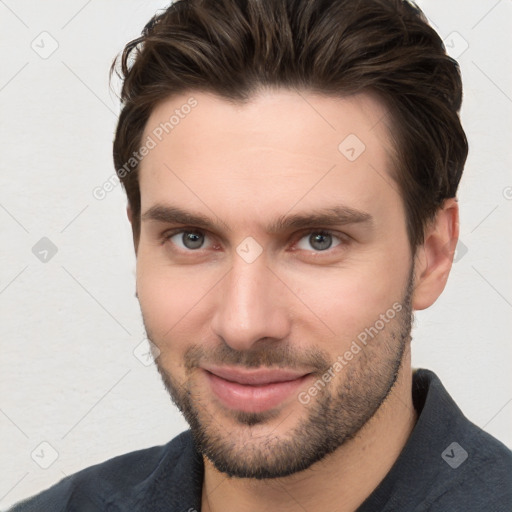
(172, 299)
(347, 300)
(336, 303)
(164, 305)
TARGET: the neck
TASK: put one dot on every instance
(346, 477)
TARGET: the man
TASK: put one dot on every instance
(291, 168)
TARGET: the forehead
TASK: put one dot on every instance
(279, 149)
(282, 118)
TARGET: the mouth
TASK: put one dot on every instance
(254, 390)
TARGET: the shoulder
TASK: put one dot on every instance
(115, 482)
(474, 469)
(482, 481)
(448, 462)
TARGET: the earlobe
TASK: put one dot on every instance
(433, 260)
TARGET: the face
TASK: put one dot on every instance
(274, 273)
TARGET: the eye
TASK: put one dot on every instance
(187, 240)
(190, 240)
(319, 241)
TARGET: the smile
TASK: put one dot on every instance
(253, 390)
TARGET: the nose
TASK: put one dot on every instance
(250, 306)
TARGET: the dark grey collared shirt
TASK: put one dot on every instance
(448, 465)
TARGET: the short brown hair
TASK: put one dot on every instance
(332, 47)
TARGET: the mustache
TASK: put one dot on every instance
(266, 355)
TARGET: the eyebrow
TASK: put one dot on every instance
(331, 216)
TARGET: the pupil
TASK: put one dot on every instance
(192, 240)
(320, 241)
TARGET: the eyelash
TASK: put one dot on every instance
(342, 237)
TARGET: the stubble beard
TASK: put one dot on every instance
(335, 415)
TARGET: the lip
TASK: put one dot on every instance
(254, 390)
(256, 376)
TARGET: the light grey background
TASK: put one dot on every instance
(68, 374)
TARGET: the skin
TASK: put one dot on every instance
(298, 305)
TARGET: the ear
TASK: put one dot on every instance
(434, 258)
